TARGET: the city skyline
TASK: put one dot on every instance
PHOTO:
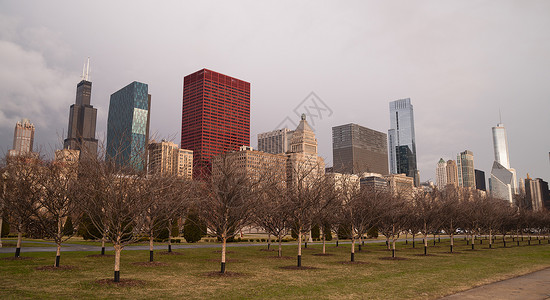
(457, 83)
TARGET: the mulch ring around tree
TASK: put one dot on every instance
(298, 268)
(100, 255)
(323, 254)
(269, 250)
(18, 258)
(123, 282)
(227, 260)
(428, 254)
(171, 253)
(392, 258)
(224, 275)
(150, 263)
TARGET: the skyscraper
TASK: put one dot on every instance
(82, 119)
(441, 174)
(401, 140)
(215, 117)
(302, 159)
(276, 141)
(502, 183)
(452, 173)
(128, 125)
(466, 173)
(357, 149)
(166, 158)
(23, 138)
(537, 194)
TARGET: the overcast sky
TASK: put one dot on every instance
(460, 62)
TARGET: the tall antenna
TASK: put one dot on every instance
(87, 69)
(499, 116)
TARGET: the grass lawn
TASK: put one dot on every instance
(261, 276)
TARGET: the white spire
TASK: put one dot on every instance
(86, 71)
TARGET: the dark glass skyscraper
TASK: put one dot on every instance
(401, 140)
(82, 120)
(357, 149)
(215, 117)
(128, 125)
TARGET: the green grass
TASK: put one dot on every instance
(262, 277)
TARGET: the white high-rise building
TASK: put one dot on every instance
(276, 141)
(502, 183)
(441, 174)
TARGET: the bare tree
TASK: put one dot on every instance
(425, 207)
(227, 201)
(394, 220)
(57, 203)
(450, 212)
(20, 181)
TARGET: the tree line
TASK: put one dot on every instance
(123, 205)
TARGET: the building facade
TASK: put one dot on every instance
(401, 140)
(480, 180)
(82, 120)
(276, 141)
(215, 117)
(166, 158)
(502, 176)
(401, 185)
(466, 173)
(254, 164)
(23, 138)
(128, 126)
(452, 173)
(537, 194)
(357, 149)
(441, 174)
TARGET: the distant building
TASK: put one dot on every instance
(82, 119)
(357, 149)
(373, 182)
(452, 173)
(466, 173)
(23, 138)
(348, 182)
(276, 141)
(401, 140)
(401, 185)
(503, 182)
(128, 126)
(215, 117)
(166, 158)
(67, 156)
(302, 156)
(252, 163)
(441, 174)
(480, 180)
(537, 194)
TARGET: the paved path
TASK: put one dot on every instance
(531, 286)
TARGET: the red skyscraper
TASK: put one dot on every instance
(215, 117)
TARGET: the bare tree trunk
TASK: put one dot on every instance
(452, 241)
(224, 245)
(473, 240)
(406, 237)
(426, 239)
(353, 248)
(268, 241)
(490, 238)
(360, 243)
(19, 239)
(413, 238)
(58, 242)
(151, 246)
(393, 247)
(1, 221)
(300, 247)
(280, 252)
(118, 248)
(336, 239)
(324, 244)
(170, 235)
(58, 256)
(103, 245)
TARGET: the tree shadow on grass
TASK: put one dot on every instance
(227, 274)
(101, 255)
(393, 258)
(18, 258)
(53, 268)
(150, 263)
(323, 254)
(298, 268)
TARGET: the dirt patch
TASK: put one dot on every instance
(353, 262)
(18, 258)
(150, 264)
(227, 260)
(52, 268)
(171, 253)
(122, 283)
(298, 268)
(393, 258)
(429, 254)
(223, 275)
(99, 255)
(323, 254)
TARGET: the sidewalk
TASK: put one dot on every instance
(531, 286)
